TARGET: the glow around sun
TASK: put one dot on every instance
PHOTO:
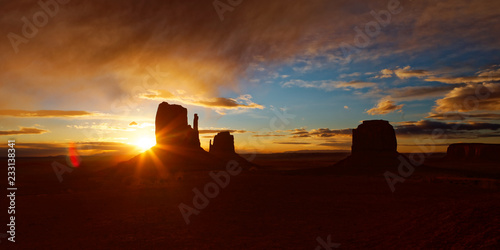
(145, 143)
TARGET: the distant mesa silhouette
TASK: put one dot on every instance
(473, 152)
(223, 148)
(223, 143)
(178, 148)
(374, 146)
(373, 137)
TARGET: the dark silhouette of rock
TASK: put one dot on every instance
(171, 127)
(473, 152)
(374, 136)
(374, 150)
(223, 143)
(178, 148)
(223, 148)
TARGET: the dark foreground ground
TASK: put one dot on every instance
(264, 209)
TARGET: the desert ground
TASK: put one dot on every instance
(273, 207)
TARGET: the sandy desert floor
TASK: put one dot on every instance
(264, 209)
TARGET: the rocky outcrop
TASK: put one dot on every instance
(473, 152)
(171, 127)
(178, 149)
(223, 143)
(223, 148)
(374, 136)
(374, 150)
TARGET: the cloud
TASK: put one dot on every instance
(464, 116)
(215, 131)
(330, 143)
(454, 130)
(385, 73)
(491, 74)
(292, 143)
(418, 92)
(24, 131)
(471, 97)
(121, 150)
(268, 135)
(217, 103)
(384, 107)
(406, 72)
(320, 132)
(44, 113)
(403, 73)
(102, 126)
(129, 47)
(329, 85)
(133, 124)
(299, 132)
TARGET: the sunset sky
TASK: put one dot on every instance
(281, 75)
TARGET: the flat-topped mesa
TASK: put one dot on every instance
(473, 152)
(223, 143)
(374, 136)
(171, 126)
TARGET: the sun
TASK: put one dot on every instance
(145, 143)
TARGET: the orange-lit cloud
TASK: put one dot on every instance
(472, 97)
(218, 103)
(489, 75)
(44, 113)
(214, 131)
(464, 116)
(110, 52)
(23, 131)
(384, 107)
(403, 73)
(320, 132)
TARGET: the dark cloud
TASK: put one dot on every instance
(83, 148)
(215, 131)
(320, 132)
(456, 130)
(24, 131)
(110, 47)
(44, 113)
(268, 135)
(292, 143)
(464, 116)
(418, 92)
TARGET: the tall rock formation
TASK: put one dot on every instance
(223, 143)
(374, 150)
(223, 148)
(171, 127)
(473, 152)
(374, 136)
(178, 149)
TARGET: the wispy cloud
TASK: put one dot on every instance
(44, 113)
(383, 107)
(217, 103)
(320, 132)
(215, 131)
(328, 85)
(23, 131)
(403, 73)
